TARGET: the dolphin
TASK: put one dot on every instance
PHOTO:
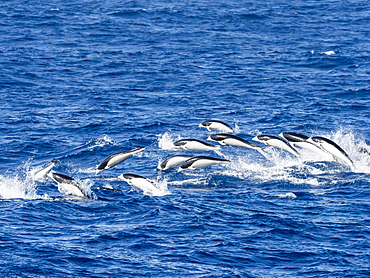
(294, 137)
(195, 145)
(142, 183)
(276, 142)
(172, 162)
(109, 188)
(229, 139)
(42, 174)
(218, 125)
(332, 148)
(201, 161)
(68, 185)
(116, 158)
(300, 140)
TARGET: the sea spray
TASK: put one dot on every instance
(165, 141)
(18, 187)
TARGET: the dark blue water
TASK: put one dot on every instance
(81, 80)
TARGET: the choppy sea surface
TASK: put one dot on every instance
(81, 80)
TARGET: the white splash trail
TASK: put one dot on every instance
(17, 187)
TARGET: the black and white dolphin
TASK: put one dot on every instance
(276, 142)
(294, 137)
(68, 185)
(195, 145)
(332, 148)
(218, 125)
(116, 158)
(42, 174)
(201, 161)
(300, 140)
(172, 162)
(233, 140)
(142, 183)
(109, 188)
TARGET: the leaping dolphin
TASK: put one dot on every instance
(68, 185)
(229, 139)
(218, 125)
(276, 142)
(172, 162)
(141, 183)
(332, 148)
(300, 140)
(201, 161)
(42, 174)
(195, 145)
(294, 137)
(116, 158)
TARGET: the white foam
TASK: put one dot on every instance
(90, 170)
(85, 189)
(100, 142)
(162, 185)
(17, 187)
(352, 144)
(197, 181)
(287, 195)
(330, 52)
(166, 140)
(236, 128)
(151, 187)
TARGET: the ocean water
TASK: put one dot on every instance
(82, 80)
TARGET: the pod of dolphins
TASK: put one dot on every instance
(287, 141)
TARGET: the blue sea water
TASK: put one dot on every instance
(82, 80)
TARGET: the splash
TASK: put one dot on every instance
(99, 142)
(17, 187)
(236, 128)
(159, 188)
(81, 189)
(355, 146)
(20, 184)
(162, 185)
(166, 140)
